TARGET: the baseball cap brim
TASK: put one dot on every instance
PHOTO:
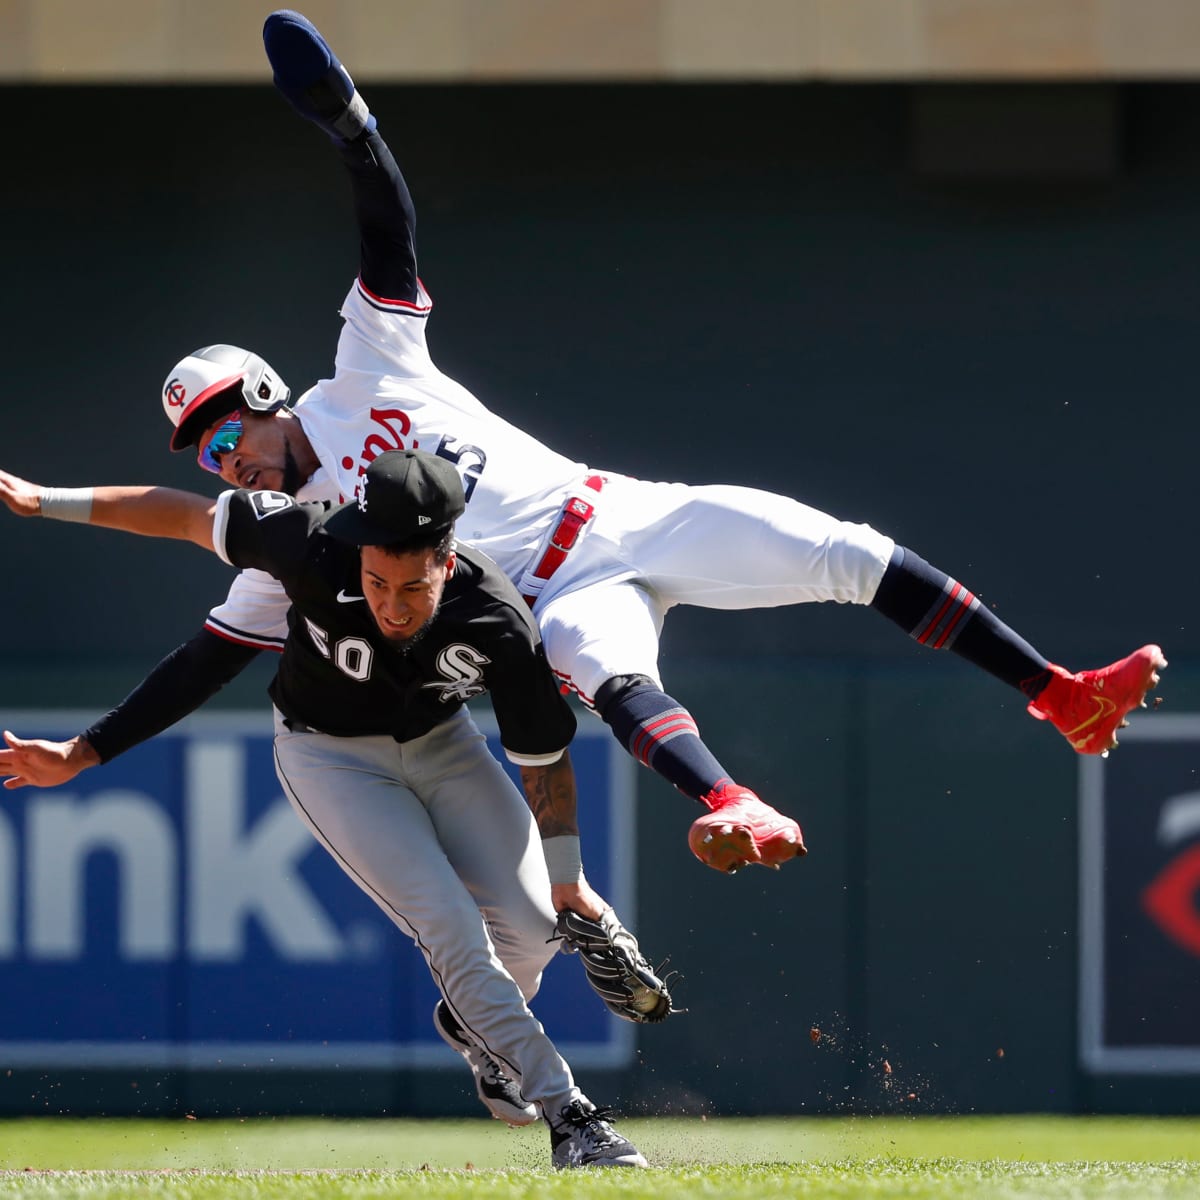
(210, 404)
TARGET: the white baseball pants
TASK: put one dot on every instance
(651, 546)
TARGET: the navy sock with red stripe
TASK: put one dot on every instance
(659, 732)
(941, 613)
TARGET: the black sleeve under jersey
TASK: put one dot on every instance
(265, 530)
(386, 219)
(534, 719)
(182, 682)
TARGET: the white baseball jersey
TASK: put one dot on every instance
(647, 547)
(386, 394)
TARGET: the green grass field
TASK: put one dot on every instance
(950, 1158)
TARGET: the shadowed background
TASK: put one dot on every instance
(960, 312)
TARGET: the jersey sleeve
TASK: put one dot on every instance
(383, 336)
(536, 723)
(264, 530)
(254, 613)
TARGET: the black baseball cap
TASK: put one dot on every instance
(404, 493)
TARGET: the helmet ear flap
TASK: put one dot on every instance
(262, 389)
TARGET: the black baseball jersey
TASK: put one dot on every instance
(340, 675)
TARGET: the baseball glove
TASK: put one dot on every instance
(615, 966)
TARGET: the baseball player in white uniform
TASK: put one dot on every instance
(391, 631)
(600, 557)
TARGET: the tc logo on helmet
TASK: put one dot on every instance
(175, 393)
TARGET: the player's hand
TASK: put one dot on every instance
(19, 495)
(578, 897)
(39, 763)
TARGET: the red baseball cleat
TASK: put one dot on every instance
(741, 829)
(1088, 708)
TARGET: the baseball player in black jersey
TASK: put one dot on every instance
(391, 630)
(600, 558)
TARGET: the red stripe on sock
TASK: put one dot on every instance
(638, 742)
(656, 731)
(671, 719)
(925, 633)
(683, 725)
(958, 616)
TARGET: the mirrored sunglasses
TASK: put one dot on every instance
(222, 441)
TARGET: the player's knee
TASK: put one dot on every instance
(620, 688)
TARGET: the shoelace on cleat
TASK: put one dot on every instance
(496, 1073)
(593, 1124)
(490, 1071)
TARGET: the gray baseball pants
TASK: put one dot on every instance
(435, 832)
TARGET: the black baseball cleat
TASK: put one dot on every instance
(310, 77)
(582, 1137)
(499, 1091)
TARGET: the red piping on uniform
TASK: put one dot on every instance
(569, 686)
(397, 303)
(242, 641)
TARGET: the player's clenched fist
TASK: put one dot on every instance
(39, 763)
(20, 496)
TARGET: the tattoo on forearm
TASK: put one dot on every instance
(550, 792)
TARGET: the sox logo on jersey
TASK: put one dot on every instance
(461, 664)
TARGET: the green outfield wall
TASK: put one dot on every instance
(798, 288)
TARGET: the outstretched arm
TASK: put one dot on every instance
(152, 512)
(179, 684)
(183, 681)
(387, 221)
(312, 80)
(36, 762)
(550, 792)
(149, 511)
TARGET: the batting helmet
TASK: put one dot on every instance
(215, 380)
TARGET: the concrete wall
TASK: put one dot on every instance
(173, 41)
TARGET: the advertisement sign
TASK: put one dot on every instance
(1140, 901)
(170, 909)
